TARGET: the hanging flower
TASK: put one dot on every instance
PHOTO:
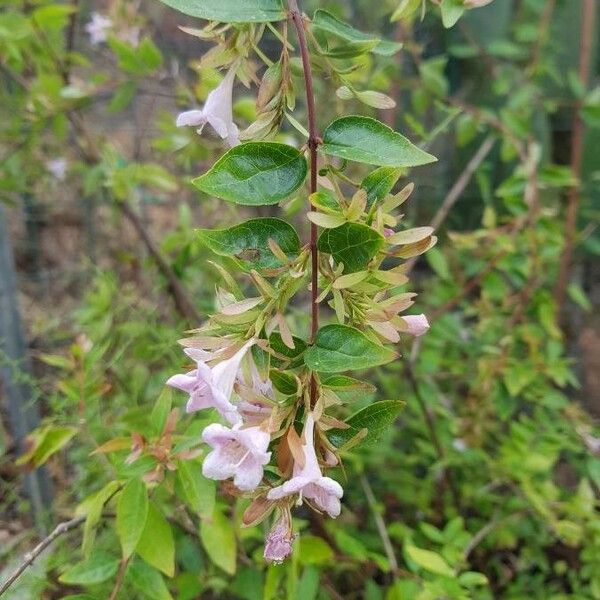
(416, 325)
(211, 387)
(217, 111)
(278, 544)
(98, 28)
(308, 481)
(238, 453)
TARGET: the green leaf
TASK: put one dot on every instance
(156, 546)
(348, 388)
(353, 244)
(314, 550)
(44, 442)
(452, 11)
(198, 491)
(430, 561)
(248, 243)
(218, 539)
(98, 568)
(376, 417)
(92, 508)
(231, 11)
(132, 510)
(147, 581)
(255, 174)
(340, 348)
(367, 140)
(284, 382)
(325, 21)
(379, 183)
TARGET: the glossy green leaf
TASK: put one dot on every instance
(198, 492)
(379, 183)
(218, 539)
(284, 382)
(367, 140)
(353, 244)
(430, 561)
(248, 243)
(132, 510)
(255, 174)
(325, 21)
(231, 11)
(313, 550)
(156, 545)
(98, 568)
(340, 348)
(376, 418)
(147, 581)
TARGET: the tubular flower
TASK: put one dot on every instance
(238, 453)
(211, 387)
(278, 543)
(217, 112)
(308, 481)
(416, 325)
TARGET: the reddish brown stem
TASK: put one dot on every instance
(313, 143)
(585, 55)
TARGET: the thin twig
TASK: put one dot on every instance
(585, 55)
(120, 578)
(60, 530)
(380, 524)
(313, 144)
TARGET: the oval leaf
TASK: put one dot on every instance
(231, 11)
(156, 546)
(218, 539)
(340, 348)
(376, 418)
(248, 243)
(353, 244)
(430, 561)
(98, 568)
(132, 510)
(367, 140)
(198, 492)
(255, 174)
(379, 183)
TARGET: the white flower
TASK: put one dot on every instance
(58, 168)
(416, 325)
(217, 111)
(211, 387)
(308, 481)
(238, 453)
(98, 28)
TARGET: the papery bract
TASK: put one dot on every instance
(217, 111)
(238, 453)
(308, 481)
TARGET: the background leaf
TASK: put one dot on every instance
(218, 539)
(231, 11)
(132, 510)
(156, 545)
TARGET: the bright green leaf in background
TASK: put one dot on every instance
(314, 550)
(147, 581)
(367, 140)
(156, 545)
(325, 21)
(353, 244)
(44, 442)
(428, 560)
(132, 510)
(231, 11)
(198, 492)
(255, 174)
(98, 568)
(376, 418)
(248, 242)
(340, 348)
(218, 539)
(452, 11)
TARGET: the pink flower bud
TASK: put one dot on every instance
(278, 544)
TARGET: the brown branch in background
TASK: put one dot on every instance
(588, 17)
(543, 33)
(70, 38)
(123, 564)
(60, 530)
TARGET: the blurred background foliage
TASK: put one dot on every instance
(486, 487)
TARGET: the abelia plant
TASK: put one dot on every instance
(278, 389)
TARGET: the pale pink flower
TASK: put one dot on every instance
(98, 28)
(417, 325)
(217, 111)
(57, 167)
(211, 387)
(387, 232)
(308, 481)
(278, 544)
(238, 453)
